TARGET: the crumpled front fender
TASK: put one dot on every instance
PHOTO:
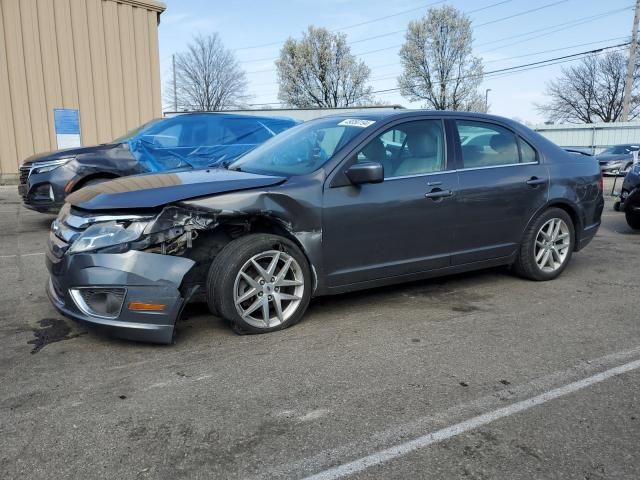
(146, 277)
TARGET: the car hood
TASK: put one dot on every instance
(155, 190)
(612, 157)
(70, 152)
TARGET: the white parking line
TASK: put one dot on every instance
(22, 255)
(402, 449)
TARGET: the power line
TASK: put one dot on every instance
(373, 20)
(548, 33)
(575, 22)
(524, 67)
(526, 12)
(528, 54)
(395, 32)
(569, 47)
(570, 24)
(388, 77)
(512, 70)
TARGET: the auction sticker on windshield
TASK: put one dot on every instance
(356, 122)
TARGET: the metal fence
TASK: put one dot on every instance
(593, 136)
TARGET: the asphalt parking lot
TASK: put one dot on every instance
(433, 379)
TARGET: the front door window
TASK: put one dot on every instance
(413, 148)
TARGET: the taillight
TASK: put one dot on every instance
(601, 183)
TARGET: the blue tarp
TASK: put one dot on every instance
(158, 159)
(200, 140)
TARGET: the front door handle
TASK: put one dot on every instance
(437, 193)
(535, 181)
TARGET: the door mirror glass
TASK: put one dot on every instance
(365, 172)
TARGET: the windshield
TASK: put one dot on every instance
(129, 135)
(302, 149)
(620, 149)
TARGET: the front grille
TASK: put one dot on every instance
(24, 174)
(23, 189)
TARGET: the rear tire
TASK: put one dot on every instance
(547, 246)
(633, 219)
(260, 283)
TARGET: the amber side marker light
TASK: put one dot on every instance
(146, 307)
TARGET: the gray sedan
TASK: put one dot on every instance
(337, 204)
(617, 160)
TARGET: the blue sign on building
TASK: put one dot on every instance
(67, 127)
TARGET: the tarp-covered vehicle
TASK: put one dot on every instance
(187, 141)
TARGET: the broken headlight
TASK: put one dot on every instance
(108, 234)
(173, 226)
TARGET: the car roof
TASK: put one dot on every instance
(234, 115)
(388, 114)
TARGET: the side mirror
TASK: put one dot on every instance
(365, 172)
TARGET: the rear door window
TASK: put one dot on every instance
(486, 144)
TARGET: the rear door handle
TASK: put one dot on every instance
(437, 193)
(535, 181)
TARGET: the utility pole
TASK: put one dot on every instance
(486, 97)
(631, 65)
(175, 89)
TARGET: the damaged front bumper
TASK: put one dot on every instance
(146, 288)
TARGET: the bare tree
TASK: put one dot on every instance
(438, 62)
(320, 71)
(592, 91)
(208, 76)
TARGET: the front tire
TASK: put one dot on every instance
(260, 283)
(547, 246)
(633, 219)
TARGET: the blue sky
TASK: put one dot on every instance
(557, 29)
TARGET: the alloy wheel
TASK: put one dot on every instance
(268, 289)
(552, 245)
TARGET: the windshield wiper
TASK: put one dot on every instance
(226, 163)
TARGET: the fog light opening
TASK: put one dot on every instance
(146, 307)
(99, 302)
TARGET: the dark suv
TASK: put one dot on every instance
(186, 141)
(630, 197)
(333, 205)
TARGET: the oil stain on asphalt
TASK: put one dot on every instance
(53, 330)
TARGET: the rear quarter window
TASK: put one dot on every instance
(528, 154)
